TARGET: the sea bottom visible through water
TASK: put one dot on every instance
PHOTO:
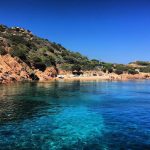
(75, 116)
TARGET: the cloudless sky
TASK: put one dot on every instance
(109, 30)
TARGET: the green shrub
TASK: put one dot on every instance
(19, 51)
(131, 71)
(76, 67)
(15, 39)
(59, 59)
(34, 58)
(87, 65)
(106, 67)
(142, 63)
(64, 53)
(122, 67)
(43, 49)
(48, 60)
(145, 69)
(67, 67)
(70, 59)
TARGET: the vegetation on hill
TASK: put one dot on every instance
(144, 66)
(40, 53)
(141, 63)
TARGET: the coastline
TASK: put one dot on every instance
(14, 70)
(110, 76)
(105, 78)
(84, 78)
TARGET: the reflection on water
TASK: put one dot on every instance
(21, 101)
(75, 115)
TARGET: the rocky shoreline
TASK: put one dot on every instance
(13, 69)
(107, 77)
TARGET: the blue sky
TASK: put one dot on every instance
(109, 30)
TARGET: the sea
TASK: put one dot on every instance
(75, 115)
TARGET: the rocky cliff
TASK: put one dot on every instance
(13, 69)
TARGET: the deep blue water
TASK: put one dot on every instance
(75, 116)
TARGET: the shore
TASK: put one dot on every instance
(114, 77)
(107, 77)
(15, 70)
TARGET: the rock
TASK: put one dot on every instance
(34, 77)
(11, 69)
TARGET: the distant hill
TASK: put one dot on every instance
(141, 63)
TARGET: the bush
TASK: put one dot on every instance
(43, 49)
(37, 57)
(87, 65)
(18, 40)
(142, 63)
(66, 67)
(19, 51)
(48, 60)
(107, 67)
(145, 69)
(65, 53)
(59, 59)
(122, 67)
(2, 28)
(76, 67)
(70, 59)
(131, 71)
(119, 72)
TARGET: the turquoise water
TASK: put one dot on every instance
(75, 116)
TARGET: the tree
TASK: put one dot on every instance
(132, 71)
(48, 60)
(108, 67)
(145, 69)
(76, 67)
(20, 51)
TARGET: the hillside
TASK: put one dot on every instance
(37, 52)
(24, 56)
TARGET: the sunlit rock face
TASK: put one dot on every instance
(12, 70)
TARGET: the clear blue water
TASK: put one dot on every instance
(75, 116)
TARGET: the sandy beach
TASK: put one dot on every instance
(106, 77)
